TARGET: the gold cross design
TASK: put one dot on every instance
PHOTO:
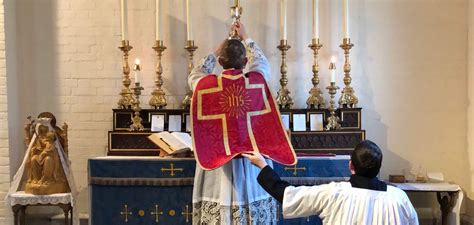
(156, 214)
(125, 213)
(295, 169)
(172, 169)
(187, 214)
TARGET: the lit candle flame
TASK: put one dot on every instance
(137, 61)
(333, 59)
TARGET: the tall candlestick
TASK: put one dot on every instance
(315, 19)
(332, 67)
(189, 28)
(124, 19)
(283, 31)
(345, 18)
(157, 20)
(137, 70)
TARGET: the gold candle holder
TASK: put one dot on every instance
(126, 98)
(158, 96)
(191, 48)
(348, 98)
(315, 99)
(136, 119)
(283, 98)
(332, 120)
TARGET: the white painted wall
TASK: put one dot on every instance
(4, 153)
(470, 106)
(409, 69)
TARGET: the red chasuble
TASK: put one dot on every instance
(234, 114)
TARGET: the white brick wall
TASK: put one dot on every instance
(4, 152)
(409, 68)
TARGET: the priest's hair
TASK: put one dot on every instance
(367, 159)
(232, 54)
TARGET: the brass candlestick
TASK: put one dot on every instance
(136, 119)
(283, 98)
(126, 98)
(332, 120)
(236, 13)
(158, 100)
(191, 48)
(348, 98)
(315, 100)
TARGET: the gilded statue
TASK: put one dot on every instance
(44, 168)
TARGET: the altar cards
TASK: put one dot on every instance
(234, 114)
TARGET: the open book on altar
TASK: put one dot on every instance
(172, 143)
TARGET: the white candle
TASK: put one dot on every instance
(189, 28)
(333, 70)
(345, 18)
(157, 20)
(315, 19)
(283, 32)
(124, 19)
(137, 71)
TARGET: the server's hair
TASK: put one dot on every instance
(367, 159)
(232, 54)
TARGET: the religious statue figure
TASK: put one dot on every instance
(44, 169)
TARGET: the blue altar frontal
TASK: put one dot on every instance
(153, 190)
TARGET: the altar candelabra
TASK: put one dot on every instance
(136, 119)
(332, 120)
(158, 96)
(283, 98)
(126, 99)
(191, 48)
(315, 100)
(348, 98)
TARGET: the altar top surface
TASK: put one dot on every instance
(151, 158)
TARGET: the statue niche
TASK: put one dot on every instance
(44, 169)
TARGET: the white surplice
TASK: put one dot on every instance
(230, 194)
(340, 203)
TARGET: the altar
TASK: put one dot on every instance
(153, 190)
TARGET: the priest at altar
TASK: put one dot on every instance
(228, 194)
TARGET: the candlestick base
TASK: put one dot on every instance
(158, 96)
(186, 103)
(284, 99)
(348, 99)
(126, 99)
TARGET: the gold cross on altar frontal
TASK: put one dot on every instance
(234, 102)
(187, 214)
(171, 169)
(156, 214)
(295, 169)
(125, 213)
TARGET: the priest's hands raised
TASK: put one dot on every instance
(241, 31)
(256, 158)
